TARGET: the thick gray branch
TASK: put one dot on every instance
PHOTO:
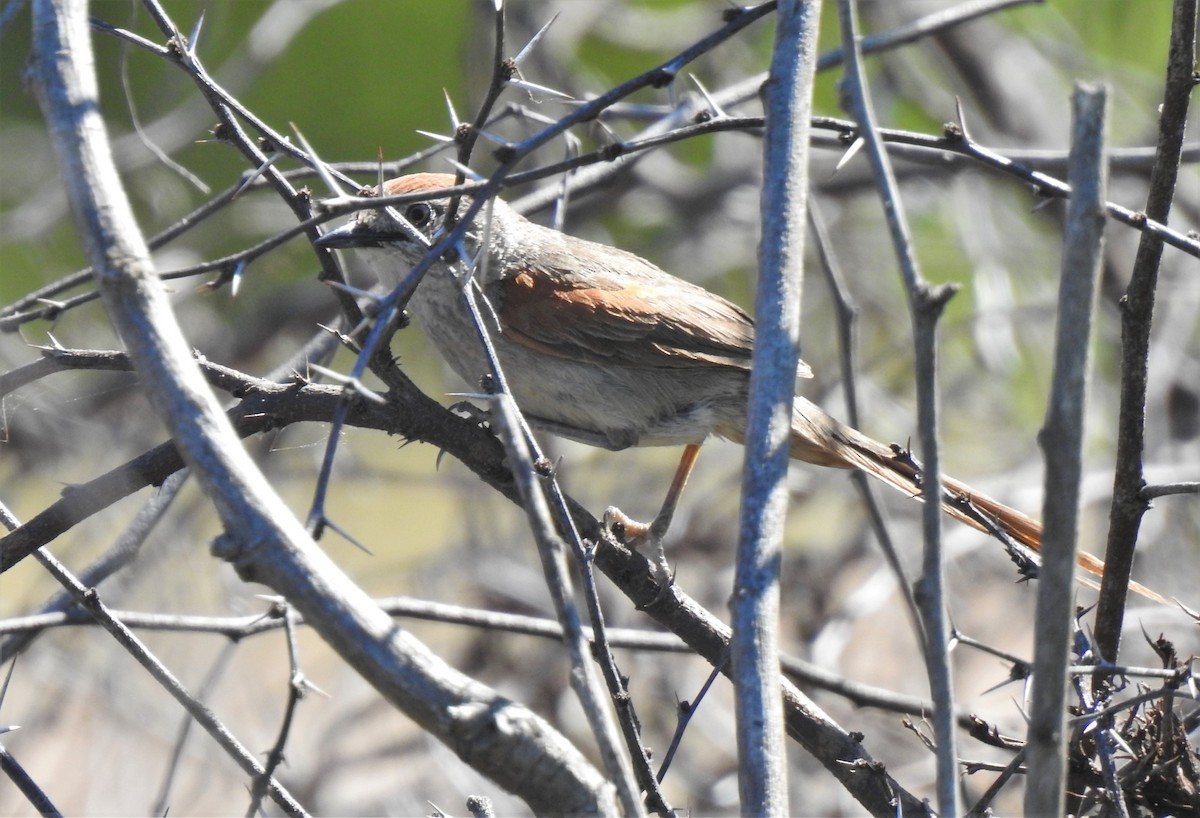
(263, 539)
(754, 649)
(1062, 442)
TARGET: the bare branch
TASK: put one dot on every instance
(1062, 441)
(1138, 311)
(925, 306)
(754, 649)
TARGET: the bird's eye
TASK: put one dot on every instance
(419, 214)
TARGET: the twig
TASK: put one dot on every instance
(523, 451)
(983, 805)
(1167, 489)
(1043, 183)
(525, 460)
(90, 601)
(1106, 747)
(922, 27)
(685, 712)
(237, 628)
(847, 316)
(1138, 310)
(24, 782)
(1166, 691)
(261, 156)
(840, 752)
(263, 539)
(121, 554)
(603, 163)
(12, 768)
(265, 405)
(297, 688)
(66, 90)
(551, 550)
(162, 803)
(181, 51)
(502, 71)
(925, 306)
(1062, 441)
(268, 405)
(602, 646)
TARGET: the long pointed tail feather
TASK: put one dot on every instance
(818, 438)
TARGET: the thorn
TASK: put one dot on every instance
(563, 195)
(608, 132)
(712, 103)
(436, 137)
(1194, 614)
(521, 110)
(315, 524)
(962, 119)
(194, 37)
(412, 233)
(533, 41)
(52, 303)
(351, 383)
(534, 88)
(344, 339)
(308, 685)
(453, 114)
(259, 171)
(54, 344)
(999, 685)
(1116, 738)
(666, 74)
(318, 165)
(466, 171)
(498, 140)
(354, 291)
(851, 152)
(346, 535)
(1042, 202)
(1021, 710)
(235, 278)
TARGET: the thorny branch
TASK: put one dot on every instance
(264, 405)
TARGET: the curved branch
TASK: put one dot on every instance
(263, 540)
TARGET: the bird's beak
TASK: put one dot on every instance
(353, 234)
(348, 235)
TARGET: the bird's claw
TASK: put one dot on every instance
(470, 411)
(645, 540)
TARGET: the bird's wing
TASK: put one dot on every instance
(648, 319)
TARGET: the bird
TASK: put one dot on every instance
(601, 346)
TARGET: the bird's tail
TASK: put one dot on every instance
(818, 438)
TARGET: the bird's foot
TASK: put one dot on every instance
(645, 539)
(472, 412)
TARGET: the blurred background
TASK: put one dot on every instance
(358, 79)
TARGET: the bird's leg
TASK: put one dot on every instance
(639, 534)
